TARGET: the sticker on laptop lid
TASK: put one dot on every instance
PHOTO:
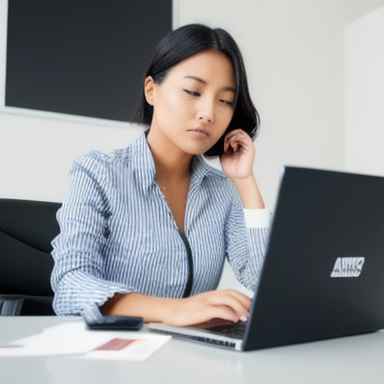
(348, 267)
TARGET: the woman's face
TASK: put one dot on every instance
(194, 105)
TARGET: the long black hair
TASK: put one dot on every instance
(187, 41)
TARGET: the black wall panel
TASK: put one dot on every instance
(82, 57)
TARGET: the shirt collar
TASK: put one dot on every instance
(143, 164)
(145, 170)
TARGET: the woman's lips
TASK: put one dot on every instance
(199, 133)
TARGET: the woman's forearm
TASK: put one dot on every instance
(249, 192)
(150, 308)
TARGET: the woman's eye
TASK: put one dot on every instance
(227, 102)
(192, 93)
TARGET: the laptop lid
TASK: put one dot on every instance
(323, 274)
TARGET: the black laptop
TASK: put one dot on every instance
(323, 274)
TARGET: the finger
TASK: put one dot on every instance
(223, 312)
(204, 307)
(237, 140)
(230, 136)
(226, 304)
(233, 144)
(235, 132)
(241, 304)
(244, 299)
(233, 303)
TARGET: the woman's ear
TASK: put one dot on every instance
(149, 87)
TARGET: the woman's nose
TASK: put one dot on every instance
(206, 113)
(205, 117)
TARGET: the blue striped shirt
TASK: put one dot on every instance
(118, 235)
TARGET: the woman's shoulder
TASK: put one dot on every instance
(96, 158)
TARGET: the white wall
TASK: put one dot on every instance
(36, 153)
(364, 90)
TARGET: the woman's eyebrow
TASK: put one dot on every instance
(195, 78)
(229, 89)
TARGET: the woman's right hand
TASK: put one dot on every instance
(225, 304)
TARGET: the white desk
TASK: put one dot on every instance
(357, 359)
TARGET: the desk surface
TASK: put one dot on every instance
(357, 359)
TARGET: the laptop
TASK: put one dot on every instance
(323, 274)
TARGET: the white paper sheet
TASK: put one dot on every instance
(75, 339)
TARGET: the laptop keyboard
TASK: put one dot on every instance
(235, 331)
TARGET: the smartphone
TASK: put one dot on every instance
(121, 323)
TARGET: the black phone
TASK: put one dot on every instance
(126, 323)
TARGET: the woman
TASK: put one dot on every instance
(145, 230)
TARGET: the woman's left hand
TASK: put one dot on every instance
(237, 163)
(239, 155)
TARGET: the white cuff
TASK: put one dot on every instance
(257, 218)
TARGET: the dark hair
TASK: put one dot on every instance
(187, 41)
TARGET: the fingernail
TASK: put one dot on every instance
(243, 318)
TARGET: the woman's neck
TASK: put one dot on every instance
(170, 161)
